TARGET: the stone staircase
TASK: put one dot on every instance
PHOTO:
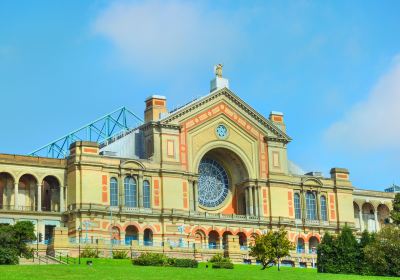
(40, 260)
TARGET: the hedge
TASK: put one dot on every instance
(154, 259)
(226, 265)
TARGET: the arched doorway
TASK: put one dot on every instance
(300, 248)
(6, 191)
(356, 209)
(200, 238)
(242, 241)
(368, 217)
(148, 237)
(383, 215)
(131, 234)
(225, 236)
(213, 240)
(116, 235)
(221, 173)
(50, 194)
(27, 192)
(313, 245)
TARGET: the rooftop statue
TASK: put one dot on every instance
(218, 70)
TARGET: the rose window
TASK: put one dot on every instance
(213, 183)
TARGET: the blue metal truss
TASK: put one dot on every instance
(100, 130)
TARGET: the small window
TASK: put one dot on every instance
(324, 214)
(113, 192)
(146, 194)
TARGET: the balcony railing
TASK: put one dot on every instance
(25, 208)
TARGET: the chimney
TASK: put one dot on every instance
(156, 108)
(340, 174)
(277, 119)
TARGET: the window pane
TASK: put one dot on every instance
(113, 192)
(130, 192)
(324, 214)
(297, 206)
(146, 194)
(311, 206)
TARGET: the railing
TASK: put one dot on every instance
(26, 208)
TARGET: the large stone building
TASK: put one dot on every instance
(209, 175)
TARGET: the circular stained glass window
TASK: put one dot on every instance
(222, 131)
(213, 183)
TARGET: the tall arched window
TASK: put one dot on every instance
(311, 206)
(130, 192)
(297, 206)
(324, 214)
(113, 192)
(146, 194)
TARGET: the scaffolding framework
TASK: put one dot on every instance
(101, 130)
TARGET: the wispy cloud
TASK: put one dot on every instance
(373, 124)
(166, 35)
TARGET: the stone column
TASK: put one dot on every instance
(62, 199)
(256, 201)
(196, 195)
(121, 191)
(140, 190)
(39, 197)
(251, 201)
(376, 220)
(16, 195)
(361, 219)
(246, 195)
(303, 205)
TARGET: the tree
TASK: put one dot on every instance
(347, 251)
(14, 239)
(395, 213)
(364, 267)
(270, 248)
(326, 253)
(383, 253)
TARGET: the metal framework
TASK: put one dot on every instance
(101, 130)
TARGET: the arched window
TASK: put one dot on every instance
(311, 206)
(297, 206)
(130, 192)
(113, 192)
(324, 214)
(300, 245)
(146, 194)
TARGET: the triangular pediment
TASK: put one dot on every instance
(235, 103)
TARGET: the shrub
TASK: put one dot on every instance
(89, 253)
(120, 255)
(151, 259)
(183, 263)
(225, 265)
(216, 258)
(8, 256)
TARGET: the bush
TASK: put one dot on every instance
(151, 259)
(8, 256)
(217, 258)
(183, 263)
(225, 265)
(89, 253)
(120, 255)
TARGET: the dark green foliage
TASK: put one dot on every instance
(14, 239)
(154, 259)
(326, 255)
(151, 259)
(183, 263)
(226, 265)
(395, 213)
(120, 255)
(383, 252)
(364, 266)
(89, 252)
(8, 256)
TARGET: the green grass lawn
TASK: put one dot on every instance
(123, 269)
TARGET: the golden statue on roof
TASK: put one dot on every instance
(218, 70)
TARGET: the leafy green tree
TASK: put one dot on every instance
(383, 253)
(14, 239)
(347, 251)
(364, 266)
(395, 213)
(270, 248)
(326, 254)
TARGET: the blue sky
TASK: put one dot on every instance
(332, 67)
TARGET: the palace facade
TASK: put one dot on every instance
(207, 177)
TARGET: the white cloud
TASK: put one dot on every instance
(373, 124)
(158, 36)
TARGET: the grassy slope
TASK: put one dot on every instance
(123, 269)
